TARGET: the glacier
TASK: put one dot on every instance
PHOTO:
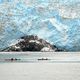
(56, 21)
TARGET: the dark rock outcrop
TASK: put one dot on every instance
(32, 43)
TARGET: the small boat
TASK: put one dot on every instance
(12, 59)
(43, 59)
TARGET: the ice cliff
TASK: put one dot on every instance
(56, 21)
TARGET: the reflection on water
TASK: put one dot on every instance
(39, 57)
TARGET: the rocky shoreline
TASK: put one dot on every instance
(32, 43)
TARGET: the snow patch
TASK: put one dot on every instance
(32, 41)
(47, 49)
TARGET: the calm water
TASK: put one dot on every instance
(61, 66)
(40, 71)
(35, 56)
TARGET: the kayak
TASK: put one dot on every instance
(43, 59)
(12, 59)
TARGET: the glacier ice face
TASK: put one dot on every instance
(57, 21)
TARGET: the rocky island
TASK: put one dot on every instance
(32, 43)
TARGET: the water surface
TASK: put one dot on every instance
(50, 57)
